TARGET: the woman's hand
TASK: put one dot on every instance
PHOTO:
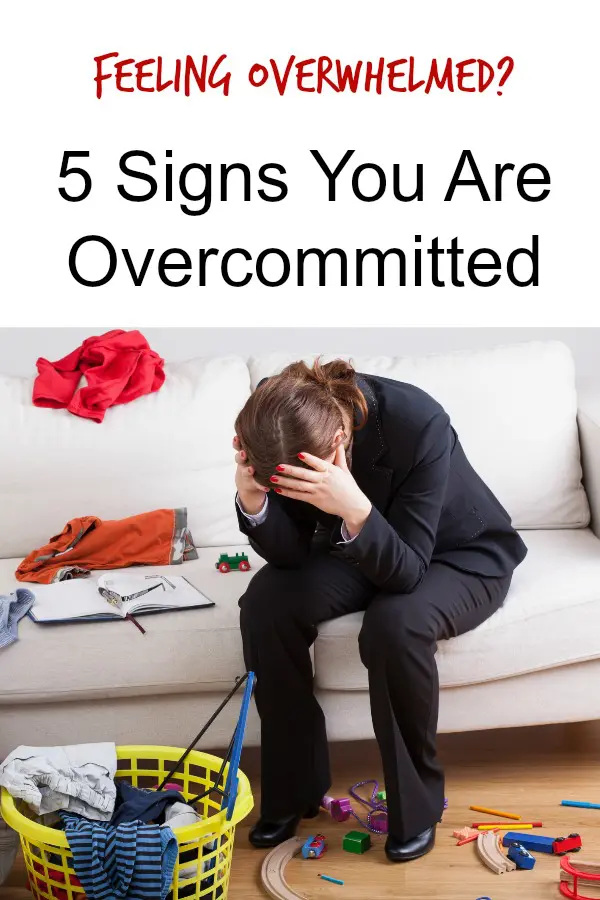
(250, 494)
(328, 486)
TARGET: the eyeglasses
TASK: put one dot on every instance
(115, 599)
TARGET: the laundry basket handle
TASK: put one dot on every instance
(204, 729)
(231, 785)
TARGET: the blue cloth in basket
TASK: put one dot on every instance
(131, 861)
(135, 804)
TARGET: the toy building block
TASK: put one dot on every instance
(520, 856)
(466, 832)
(465, 836)
(538, 843)
(356, 842)
(381, 795)
(378, 821)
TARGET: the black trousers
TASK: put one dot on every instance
(280, 613)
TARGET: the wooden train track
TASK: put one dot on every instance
(273, 867)
(491, 854)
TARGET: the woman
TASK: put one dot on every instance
(372, 505)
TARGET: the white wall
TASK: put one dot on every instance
(20, 347)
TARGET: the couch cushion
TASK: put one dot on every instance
(550, 618)
(169, 449)
(515, 411)
(197, 650)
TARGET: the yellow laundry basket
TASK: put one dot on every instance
(205, 849)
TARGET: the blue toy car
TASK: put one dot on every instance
(520, 856)
(314, 847)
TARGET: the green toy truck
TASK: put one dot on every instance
(226, 562)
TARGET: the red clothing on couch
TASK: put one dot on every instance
(119, 366)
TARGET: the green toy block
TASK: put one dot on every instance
(356, 842)
(381, 795)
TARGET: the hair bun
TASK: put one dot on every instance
(337, 378)
(337, 371)
(328, 375)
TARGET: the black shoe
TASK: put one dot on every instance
(269, 833)
(404, 851)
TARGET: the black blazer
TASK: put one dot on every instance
(429, 504)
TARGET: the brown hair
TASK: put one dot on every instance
(301, 409)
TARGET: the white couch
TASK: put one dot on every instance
(535, 661)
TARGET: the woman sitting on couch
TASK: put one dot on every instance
(373, 507)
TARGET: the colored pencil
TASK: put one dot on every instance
(505, 825)
(332, 880)
(580, 804)
(470, 839)
(494, 812)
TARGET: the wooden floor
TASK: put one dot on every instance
(528, 771)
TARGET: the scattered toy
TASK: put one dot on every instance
(580, 803)
(504, 825)
(491, 855)
(564, 845)
(464, 833)
(377, 817)
(520, 856)
(339, 810)
(329, 878)
(540, 843)
(227, 562)
(494, 812)
(570, 877)
(273, 869)
(356, 842)
(468, 840)
(314, 847)
(466, 836)
(376, 820)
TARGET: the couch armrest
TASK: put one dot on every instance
(588, 421)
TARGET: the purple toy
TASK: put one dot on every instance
(377, 817)
(339, 810)
(376, 821)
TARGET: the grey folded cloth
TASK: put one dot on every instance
(12, 608)
(78, 779)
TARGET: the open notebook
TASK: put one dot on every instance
(113, 595)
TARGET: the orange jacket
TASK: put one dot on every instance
(158, 538)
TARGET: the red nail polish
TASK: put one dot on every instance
(301, 456)
(273, 478)
(278, 490)
(280, 468)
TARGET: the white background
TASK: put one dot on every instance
(547, 114)
(20, 347)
